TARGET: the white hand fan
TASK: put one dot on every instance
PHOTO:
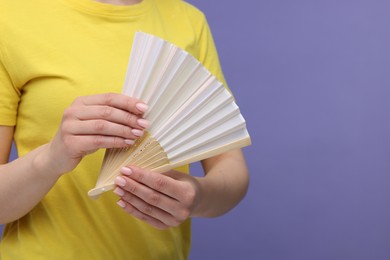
(192, 115)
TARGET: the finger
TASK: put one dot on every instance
(147, 209)
(156, 181)
(86, 144)
(120, 101)
(101, 127)
(141, 216)
(148, 195)
(111, 114)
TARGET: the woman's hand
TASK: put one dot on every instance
(166, 200)
(93, 122)
(161, 200)
(89, 123)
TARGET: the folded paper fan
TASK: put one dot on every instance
(192, 115)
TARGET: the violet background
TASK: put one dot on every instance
(312, 79)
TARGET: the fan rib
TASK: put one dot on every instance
(193, 116)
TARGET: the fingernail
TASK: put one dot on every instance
(121, 204)
(126, 171)
(137, 132)
(142, 107)
(129, 142)
(120, 181)
(119, 192)
(142, 122)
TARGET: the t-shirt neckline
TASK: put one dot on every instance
(109, 10)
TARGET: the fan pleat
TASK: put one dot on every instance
(192, 115)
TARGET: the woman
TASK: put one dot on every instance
(61, 63)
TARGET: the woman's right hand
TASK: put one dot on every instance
(94, 122)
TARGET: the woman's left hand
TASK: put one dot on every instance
(161, 200)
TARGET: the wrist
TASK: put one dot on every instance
(43, 164)
(201, 206)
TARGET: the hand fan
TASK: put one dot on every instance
(192, 115)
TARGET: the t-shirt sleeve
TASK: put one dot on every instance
(9, 96)
(207, 51)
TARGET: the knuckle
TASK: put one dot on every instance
(106, 112)
(127, 197)
(140, 177)
(130, 102)
(148, 209)
(117, 142)
(107, 98)
(183, 215)
(131, 119)
(68, 112)
(189, 196)
(126, 132)
(97, 141)
(132, 188)
(143, 218)
(160, 184)
(99, 125)
(154, 199)
(131, 210)
(65, 127)
(138, 214)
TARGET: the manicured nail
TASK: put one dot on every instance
(126, 171)
(119, 192)
(129, 142)
(120, 181)
(137, 132)
(142, 122)
(121, 204)
(142, 107)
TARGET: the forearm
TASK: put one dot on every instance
(224, 185)
(90, 123)
(24, 182)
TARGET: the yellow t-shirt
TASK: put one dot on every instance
(50, 53)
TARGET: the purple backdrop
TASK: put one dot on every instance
(312, 79)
